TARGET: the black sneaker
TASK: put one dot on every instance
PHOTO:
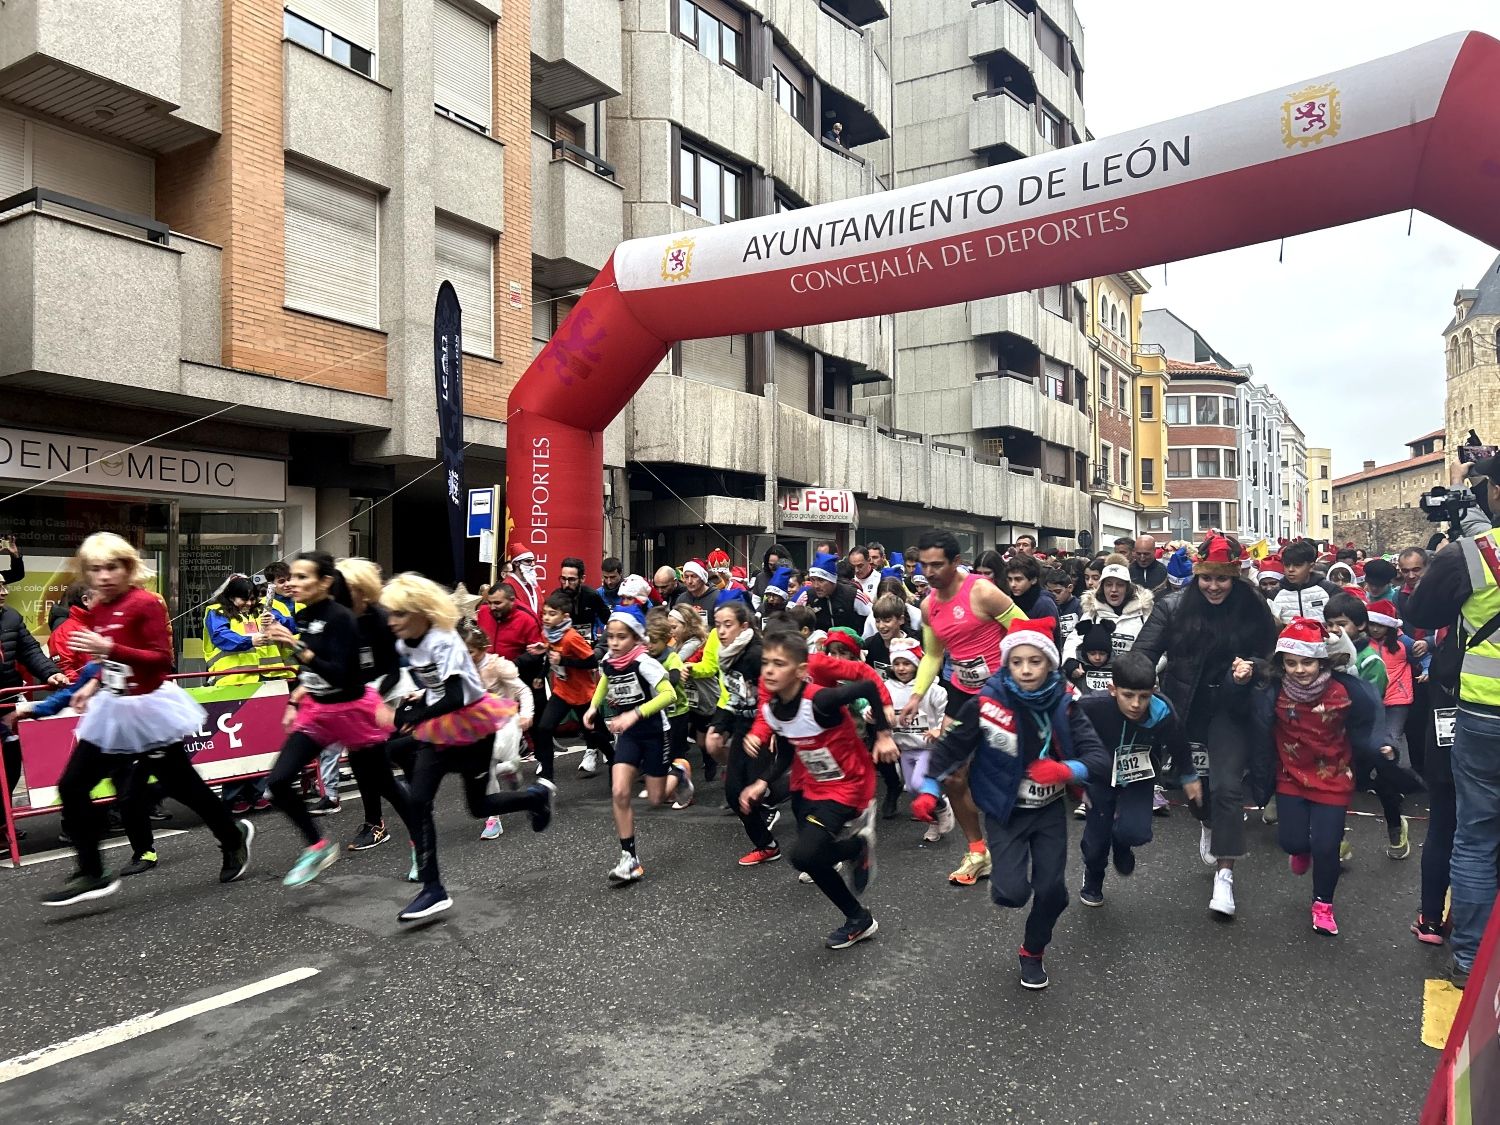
(1458, 975)
(1091, 893)
(542, 815)
(139, 864)
(159, 814)
(891, 808)
(81, 888)
(1124, 860)
(432, 899)
(325, 806)
(853, 931)
(1033, 975)
(369, 836)
(237, 860)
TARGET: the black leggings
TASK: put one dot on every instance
(1305, 827)
(739, 772)
(301, 750)
(10, 746)
(819, 849)
(372, 775)
(426, 765)
(553, 716)
(83, 821)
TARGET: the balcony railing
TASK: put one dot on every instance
(36, 197)
(568, 150)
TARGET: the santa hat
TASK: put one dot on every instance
(1304, 637)
(1271, 567)
(842, 637)
(718, 560)
(1037, 633)
(892, 572)
(1359, 570)
(695, 566)
(906, 648)
(1218, 555)
(1179, 568)
(780, 582)
(632, 618)
(1115, 570)
(1384, 613)
(635, 588)
(1097, 637)
(1344, 569)
(826, 567)
(737, 573)
(519, 550)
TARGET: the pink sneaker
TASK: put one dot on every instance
(1322, 918)
(1300, 864)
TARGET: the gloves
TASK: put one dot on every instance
(1049, 771)
(924, 807)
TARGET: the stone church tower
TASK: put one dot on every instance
(1471, 339)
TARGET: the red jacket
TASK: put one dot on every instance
(824, 671)
(510, 637)
(137, 624)
(70, 662)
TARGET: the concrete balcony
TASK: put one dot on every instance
(113, 310)
(669, 418)
(577, 216)
(1021, 314)
(1000, 120)
(1004, 400)
(1000, 26)
(840, 53)
(575, 52)
(334, 115)
(1063, 507)
(146, 72)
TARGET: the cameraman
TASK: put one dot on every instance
(1461, 588)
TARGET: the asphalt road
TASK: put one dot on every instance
(704, 993)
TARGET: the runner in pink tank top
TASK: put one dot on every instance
(971, 639)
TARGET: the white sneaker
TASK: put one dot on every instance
(1223, 898)
(589, 766)
(939, 827)
(1206, 848)
(643, 795)
(806, 878)
(628, 870)
(1268, 813)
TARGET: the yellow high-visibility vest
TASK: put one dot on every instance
(1479, 678)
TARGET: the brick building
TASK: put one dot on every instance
(1203, 434)
(1376, 508)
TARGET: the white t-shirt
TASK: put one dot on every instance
(437, 657)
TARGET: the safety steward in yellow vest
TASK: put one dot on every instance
(279, 606)
(233, 646)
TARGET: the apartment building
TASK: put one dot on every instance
(223, 232)
(1319, 493)
(1294, 484)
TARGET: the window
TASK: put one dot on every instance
(1049, 124)
(1055, 380)
(1080, 391)
(715, 28)
(1181, 518)
(790, 86)
(1106, 379)
(466, 256)
(1051, 42)
(332, 265)
(1125, 481)
(1207, 463)
(1232, 517)
(1210, 515)
(1124, 399)
(1106, 460)
(1148, 403)
(1325, 523)
(342, 30)
(1231, 463)
(1179, 464)
(786, 203)
(1179, 410)
(1054, 299)
(1231, 412)
(707, 187)
(461, 65)
(1148, 474)
(1325, 496)
(1208, 410)
(1054, 463)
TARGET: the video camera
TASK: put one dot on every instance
(1449, 505)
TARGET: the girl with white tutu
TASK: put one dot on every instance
(138, 714)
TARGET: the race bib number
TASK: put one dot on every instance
(971, 674)
(428, 676)
(1121, 642)
(1200, 759)
(1132, 764)
(114, 677)
(1097, 679)
(1444, 720)
(1067, 623)
(740, 691)
(1034, 796)
(625, 693)
(820, 763)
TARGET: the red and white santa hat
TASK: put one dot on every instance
(1037, 633)
(1271, 566)
(906, 648)
(695, 566)
(1305, 636)
(1384, 613)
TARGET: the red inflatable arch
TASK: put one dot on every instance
(1417, 129)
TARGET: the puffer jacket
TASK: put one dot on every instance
(1129, 620)
(19, 650)
(1251, 635)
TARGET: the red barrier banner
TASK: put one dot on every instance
(1466, 1089)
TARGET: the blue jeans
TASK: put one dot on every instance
(1476, 782)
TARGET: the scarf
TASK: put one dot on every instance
(1309, 694)
(735, 647)
(1039, 702)
(556, 635)
(625, 659)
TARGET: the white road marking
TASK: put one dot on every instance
(91, 1041)
(67, 853)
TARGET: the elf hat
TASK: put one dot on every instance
(696, 566)
(906, 648)
(1219, 556)
(1037, 633)
(1384, 613)
(844, 638)
(632, 618)
(826, 567)
(718, 560)
(1304, 637)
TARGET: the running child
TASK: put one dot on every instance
(1144, 730)
(1025, 739)
(915, 735)
(740, 672)
(638, 692)
(1403, 671)
(659, 633)
(573, 671)
(501, 679)
(1060, 586)
(832, 778)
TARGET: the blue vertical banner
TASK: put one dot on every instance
(448, 371)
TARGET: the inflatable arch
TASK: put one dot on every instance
(1419, 129)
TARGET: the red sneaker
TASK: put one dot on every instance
(760, 855)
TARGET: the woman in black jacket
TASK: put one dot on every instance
(1201, 630)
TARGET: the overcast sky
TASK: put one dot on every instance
(1347, 330)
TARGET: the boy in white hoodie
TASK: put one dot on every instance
(915, 737)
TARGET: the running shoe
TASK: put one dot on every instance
(1346, 851)
(326, 806)
(1124, 860)
(1092, 891)
(686, 793)
(237, 860)
(432, 899)
(1428, 933)
(772, 816)
(262, 804)
(1206, 846)
(81, 888)
(411, 874)
(756, 856)
(853, 931)
(806, 876)
(493, 829)
(311, 863)
(589, 765)
(1322, 919)
(941, 826)
(1299, 864)
(1033, 975)
(159, 814)
(1081, 812)
(973, 867)
(541, 816)
(628, 870)
(1399, 846)
(1221, 905)
(1268, 813)
(370, 836)
(240, 808)
(1457, 974)
(139, 864)
(1160, 806)
(861, 870)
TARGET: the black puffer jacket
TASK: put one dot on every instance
(1242, 627)
(19, 647)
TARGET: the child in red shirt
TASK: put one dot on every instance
(572, 674)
